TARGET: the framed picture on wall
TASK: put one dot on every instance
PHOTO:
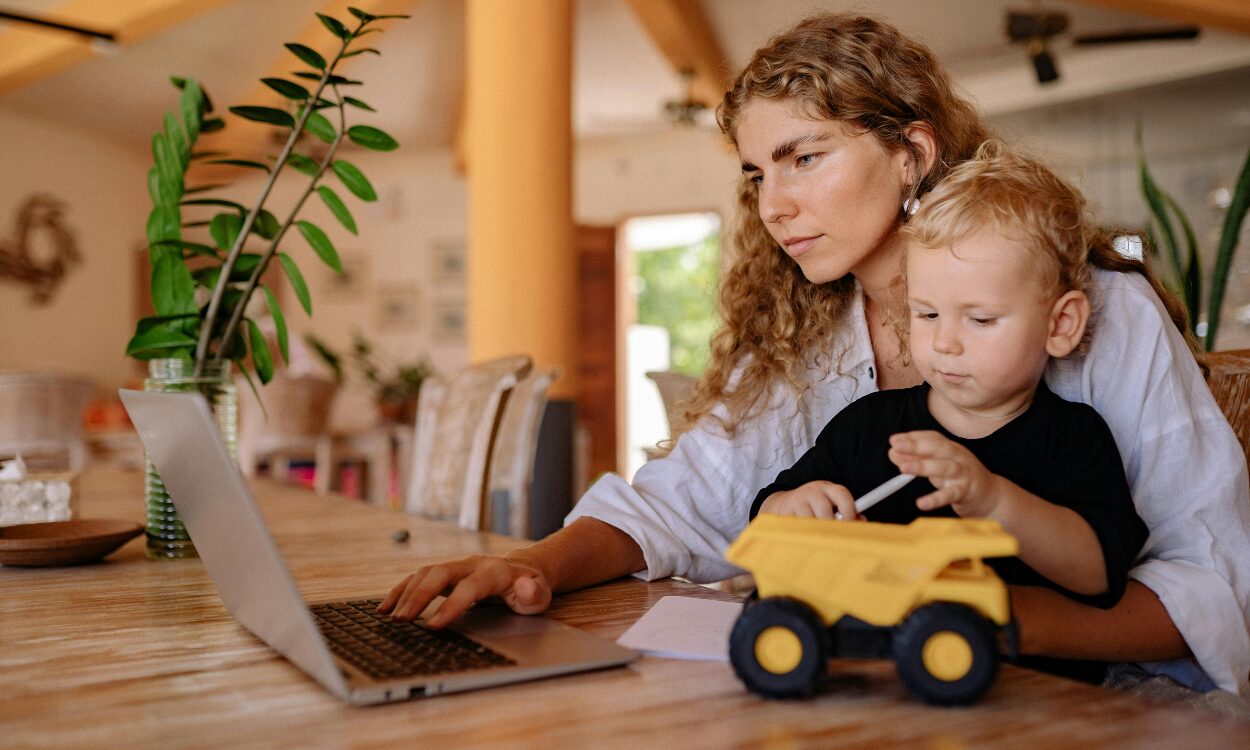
(449, 321)
(397, 307)
(448, 264)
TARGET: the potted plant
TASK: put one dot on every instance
(202, 285)
(1185, 265)
(395, 386)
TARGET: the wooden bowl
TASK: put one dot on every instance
(63, 542)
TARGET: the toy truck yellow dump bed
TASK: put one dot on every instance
(876, 572)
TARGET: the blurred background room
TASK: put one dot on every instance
(561, 191)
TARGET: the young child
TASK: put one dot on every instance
(997, 281)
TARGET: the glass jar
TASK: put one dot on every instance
(167, 538)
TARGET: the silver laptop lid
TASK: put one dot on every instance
(216, 506)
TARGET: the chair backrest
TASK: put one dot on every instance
(296, 406)
(674, 388)
(511, 470)
(295, 417)
(1230, 384)
(41, 414)
(456, 420)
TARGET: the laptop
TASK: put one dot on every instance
(359, 656)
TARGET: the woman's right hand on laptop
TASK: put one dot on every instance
(465, 582)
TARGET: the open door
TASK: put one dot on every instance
(596, 401)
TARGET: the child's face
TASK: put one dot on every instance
(979, 320)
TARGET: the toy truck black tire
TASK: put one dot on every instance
(779, 648)
(946, 653)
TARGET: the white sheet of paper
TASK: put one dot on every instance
(683, 627)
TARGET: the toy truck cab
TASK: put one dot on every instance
(919, 593)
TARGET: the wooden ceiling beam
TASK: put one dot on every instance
(1229, 15)
(32, 54)
(684, 36)
(247, 139)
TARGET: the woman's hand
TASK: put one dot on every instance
(465, 582)
(819, 499)
(961, 480)
(584, 553)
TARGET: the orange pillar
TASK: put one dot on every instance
(522, 263)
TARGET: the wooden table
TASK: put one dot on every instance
(132, 653)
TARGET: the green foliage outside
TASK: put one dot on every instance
(677, 291)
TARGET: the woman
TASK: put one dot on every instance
(840, 124)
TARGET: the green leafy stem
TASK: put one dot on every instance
(179, 323)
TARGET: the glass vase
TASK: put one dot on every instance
(167, 537)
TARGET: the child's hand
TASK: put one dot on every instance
(961, 480)
(819, 499)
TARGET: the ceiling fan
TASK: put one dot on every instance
(687, 111)
(92, 34)
(1035, 28)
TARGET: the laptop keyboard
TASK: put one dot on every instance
(384, 650)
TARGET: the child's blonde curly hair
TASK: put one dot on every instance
(1022, 198)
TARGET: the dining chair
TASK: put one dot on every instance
(511, 470)
(1229, 381)
(674, 388)
(292, 425)
(41, 417)
(457, 416)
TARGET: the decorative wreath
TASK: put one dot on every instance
(18, 261)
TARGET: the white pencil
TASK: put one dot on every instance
(887, 488)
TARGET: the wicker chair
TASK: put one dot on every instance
(511, 470)
(457, 417)
(292, 425)
(1230, 384)
(674, 388)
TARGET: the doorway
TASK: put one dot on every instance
(671, 266)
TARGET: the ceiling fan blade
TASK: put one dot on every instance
(6, 15)
(1173, 33)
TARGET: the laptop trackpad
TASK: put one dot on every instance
(497, 621)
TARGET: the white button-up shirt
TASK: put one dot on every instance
(1184, 465)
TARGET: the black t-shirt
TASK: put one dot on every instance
(1061, 451)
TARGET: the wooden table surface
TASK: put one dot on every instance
(133, 653)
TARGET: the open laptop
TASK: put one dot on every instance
(355, 654)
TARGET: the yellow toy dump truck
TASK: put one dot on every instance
(919, 593)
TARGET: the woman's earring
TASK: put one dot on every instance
(911, 206)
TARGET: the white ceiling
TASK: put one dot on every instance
(620, 80)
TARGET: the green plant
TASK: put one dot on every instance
(333, 359)
(185, 271)
(1186, 268)
(392, 384)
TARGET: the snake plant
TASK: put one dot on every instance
(1181, 253)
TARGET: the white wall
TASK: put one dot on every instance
(420, 207)
(1196, 135)
(670, 171)
(85, 327)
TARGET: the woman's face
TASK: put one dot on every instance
(828, 195)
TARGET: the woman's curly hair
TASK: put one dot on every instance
(839, 67)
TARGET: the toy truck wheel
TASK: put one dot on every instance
(946, 653)
(779, 648)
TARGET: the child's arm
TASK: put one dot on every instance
(818, 499)
(1055, 541)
